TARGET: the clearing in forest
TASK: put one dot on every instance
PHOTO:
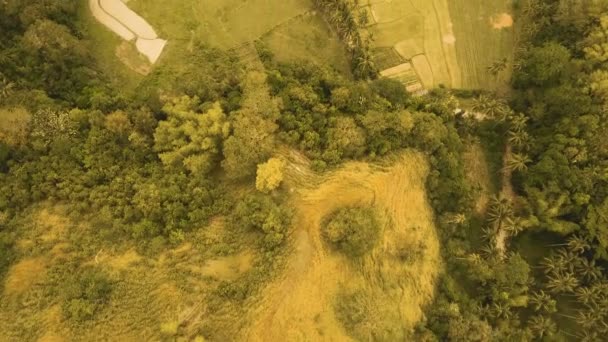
(290, 28)
(391, 283)
(219, 23)
(449, 43)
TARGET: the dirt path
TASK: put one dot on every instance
(116, 16)
(299, 306)
(508, 192)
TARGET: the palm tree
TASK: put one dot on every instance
(586, 295)
(518, 121)
(542, 326)
(543, 302)
(6, 87)
(513, 225)
(498, 66)
(562, 282)
(488, 251)
(518, 138)
(500, 208)
(586, 318)
(495, 109)
(588, 269)
(517, 162)
(577, 244)
(589, 336)
(365, 65)
(488, 233)
(554, 264)
(569, 258)
(500, 310)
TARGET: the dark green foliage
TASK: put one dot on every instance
(352, 231)
(393, 91)
(86, 295)
(346, 19)
(261, 214)
(545, 66)
(207, 73)
(6, 253)
(351, 309)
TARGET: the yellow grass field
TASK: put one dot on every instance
(298, 307)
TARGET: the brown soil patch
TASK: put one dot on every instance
(23, 275)
(300, 305)
(228, 268)
(501, 21)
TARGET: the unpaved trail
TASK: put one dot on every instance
(507, 190)
(299, 305)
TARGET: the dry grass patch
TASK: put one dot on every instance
(23, 275)
(228, 268)
(501, 21)
(51, 226)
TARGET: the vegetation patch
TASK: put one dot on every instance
(352, 231)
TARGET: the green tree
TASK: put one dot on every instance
(346, 137)
(252, 138)
(353, 231)
(596, 43)
(546, 65)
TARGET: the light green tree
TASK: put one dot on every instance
(270, 175)
(596, 44)
(189, 139)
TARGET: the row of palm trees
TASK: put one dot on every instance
(345, 18)
(517, 135)
(570, 273)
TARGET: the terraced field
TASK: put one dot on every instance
(448, 43)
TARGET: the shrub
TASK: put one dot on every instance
(353, 231)
(86, 294)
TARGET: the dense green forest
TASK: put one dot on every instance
(199, 142)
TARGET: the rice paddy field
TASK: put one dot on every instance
(450, 43)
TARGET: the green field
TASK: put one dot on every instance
(478, 43)
(220, 23)
(459, 39)
(307, 37)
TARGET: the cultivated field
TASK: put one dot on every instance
(450, 43)
(484, 35)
